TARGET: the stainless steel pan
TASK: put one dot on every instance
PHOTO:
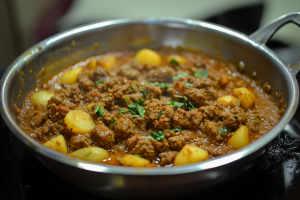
(68, 47)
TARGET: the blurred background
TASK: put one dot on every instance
(26, 22)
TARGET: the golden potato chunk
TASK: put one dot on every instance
(190, 154)
(240, 138)
(79, 121)
(92, 154)
(70, 77)
(41, 97)
(227, 100)
(148, 57)
(134, 161)
(247, 98)
(108, 62)
(57, 144)
(174, 59)
(93, 63)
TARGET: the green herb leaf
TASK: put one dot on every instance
(119, 82)
(181, 97)
(176, 130)
(188, 85)
(98, 82)
(141, 111)
(234, 117)
(139, 155)
(100, 109)
(122, 111)
(203, 74)
(178, 105)
(163, 86)
(171, 102)
(173, 61)
(112, 123)
(189, 104)
(137, 110)
(89, 153)
(224, 131)
(155, 84)
(158, 136)
(179, 75)
(143, 91)
(140, 101)
(132, 88)
(160, 114)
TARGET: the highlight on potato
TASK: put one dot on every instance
(79, 121)
(134, 161)
(190, 154)
(240, 138)
(70, 77)
(148, 57)
(227, 100)
(57, 144)
(41, 97)
(247, 98)
(92, 154)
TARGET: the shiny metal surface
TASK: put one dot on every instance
(119, 182)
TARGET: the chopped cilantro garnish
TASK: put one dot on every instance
(100, 109)
(143, 91)
(158, 136)
(137, 109)
(119, 82)
(178, 105)
(160, 114)
(139, 155)
(234, 117)
(140, 101)
(203, 74)
(188, 85)
(98, 82)
(122, 111)
(179, 75)
(187, 102)
(171, 102)
(132, 88)
(173, 61)
(163, 86)
(155, 84)
(181, 97)
(176, 130)
(89, 153)
(112, 123)
(224, 131)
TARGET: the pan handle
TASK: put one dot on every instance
(263, 34)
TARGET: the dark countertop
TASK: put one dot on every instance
(274, 176)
